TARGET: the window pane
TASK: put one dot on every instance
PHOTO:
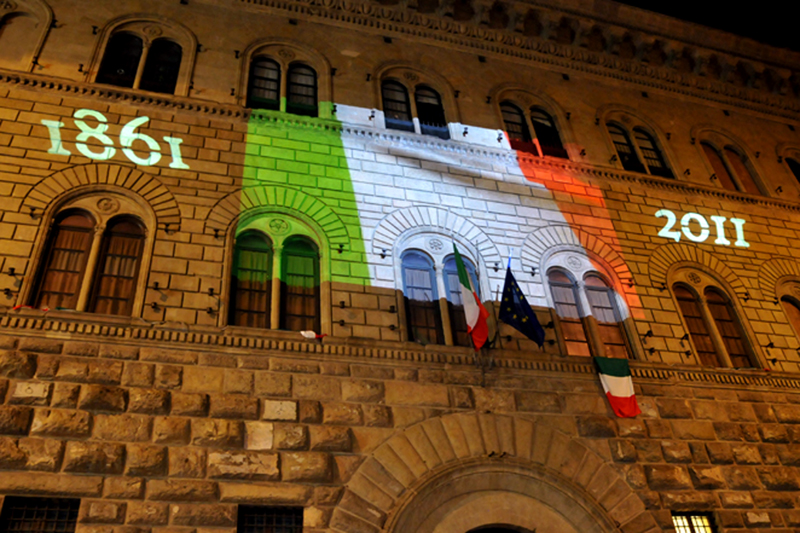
(301, 91)
(162, 66)
(251, 281)
(604, 309)
(698, 329)
(719, 166)
(396, 106)
(547, 134)
(39, 515)
(794, 166)
(625, 151)
(422, 305)
(264, 84)
(653, 157)
(563, 290)
(118, 268)
(121, 60)
(67, 252)
(519, 136)
(258, 519)
(430, 112)
(300, 283)
(722, 312)
(458, 319)
(746, 178)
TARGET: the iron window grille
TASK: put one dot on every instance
(258, 519)
(692, 523)
(39, 515)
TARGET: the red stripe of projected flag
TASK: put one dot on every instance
(615, 376)
(476, 313)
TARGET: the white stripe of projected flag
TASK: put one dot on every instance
(615, 376)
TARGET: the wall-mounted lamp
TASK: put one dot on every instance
(583, 152)
(687, 172)
(613, 158)
(779, 189)
(712, 177)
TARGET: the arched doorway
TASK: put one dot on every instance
(499, 529)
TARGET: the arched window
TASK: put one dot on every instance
(625, 149)
(120, 63)
(653, 158)
(609, 320)
(430, 112)
(18, 33)
(130, 61)
(547, 134)
(421, 299)
(301, 90)
(67, 251)
(458, 320)
(396, 106)
(118, 267)
(519, 135)
(264, 84)
(792, 310)
(300, 285)
(565, 297)
(691, 310)
(722, 313)
(161, 67)
(731, 168)
(251, 281)
(794, 167)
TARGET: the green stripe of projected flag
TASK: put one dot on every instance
(615, 376)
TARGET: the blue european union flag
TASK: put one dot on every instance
(515, 311)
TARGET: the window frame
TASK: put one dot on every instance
(411, 80)
(70, 506)
(712, 528)
(434, 304)
(722, 145)
(534, 145)
(641, 165)
(43, 14)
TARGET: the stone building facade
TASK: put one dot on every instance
(641, 175)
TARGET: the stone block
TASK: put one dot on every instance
(311, 387)
(148, 401)
(291, 437)
(342, 413)
(236, 406)
(105, 372)
(237, 382)
(377, 416)
(17, 365)
(729, 519)
(330, 438)
(40, 345)
(668, 477)
(596, 426)
(787, 414)
(790, 454)
(57, 484)
(279, 410)
(30, 393)
(102, 398)
(123, 488)
(187, 462)
(138, 374)
(409, 393)
(769, 453)
(676, 451)
(631, 428)
(306, 467)
(42, 454)
(189, 404)
(126, 428)
(100, 512)
(757, 519)
(216, 515)
(272, 384)
(111, 351)
(736, 500)
(773, 433)
(693, 430)
(14, 420)
(461, 398)
(47, 367)
(674, 408)
(699, 453)
(181, 490)
(774, 500)
(93, 458)
(741, 478)
(217, 433)
(309, 412)
(719, 452)
(728, 431)
(493, 400)
(60, 423)
(170, 430)
(622, 451)
(265, 493)
(146, 460)
(202, 379)
(658, 429)
(147, 514)
(780, 478)
(250, 465)
(71, 370)
(538, 402)
(11, 457)
(746, 454)
(259, 435)
(707, 477)
(359, 390)
(688, 501)
(168, 377)
(65, 395)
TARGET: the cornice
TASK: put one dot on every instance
(399, 20)
(278, 344)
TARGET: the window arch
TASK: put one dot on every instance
(638, 151)
(455, 305)
(155, 56)
(23, 29)
(251, 281)
(423, 315)
(730, 166)
(300, 291)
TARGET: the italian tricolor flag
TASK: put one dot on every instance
(615, 375)
(476, 313)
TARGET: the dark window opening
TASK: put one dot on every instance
(396, 106)
(161, 67)
(264, 84)
(724, 318)
(300, 285)
(62, 274)
(430, 112)
(653, 157)
(519, 137)
(547, 134)
(740, 168)
(39, 515)
(720, 168)
(121, 60)
(689, 306)
(794, 166)
(625, 150)
(423, 314)
(118, 268)
(257, 519)
(301, 91)
(251, 281)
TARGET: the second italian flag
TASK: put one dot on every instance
(615, 376)
(476, 313)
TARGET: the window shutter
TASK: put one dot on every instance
(118, 268)
(300, 284)
(563, 290)
(722, 312)
(264, 84)
(251, 281)
(698, 329)
(301, 91)
(719, 166)
(746, 177)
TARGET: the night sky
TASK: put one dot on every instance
(772, 22)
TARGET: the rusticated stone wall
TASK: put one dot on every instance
(157, 438)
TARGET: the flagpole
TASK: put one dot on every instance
(497, 336)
